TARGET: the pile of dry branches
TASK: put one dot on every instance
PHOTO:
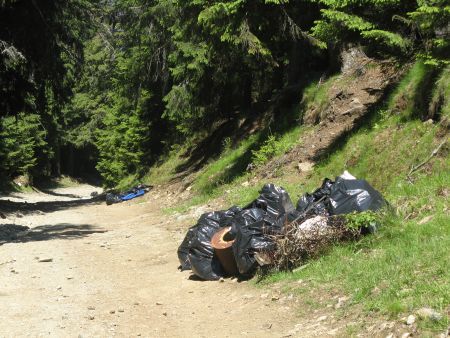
(297, 243)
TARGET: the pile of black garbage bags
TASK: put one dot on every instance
(253, 226)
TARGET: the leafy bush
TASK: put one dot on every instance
(358, 220)
(266, 152)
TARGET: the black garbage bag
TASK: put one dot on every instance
(183, 249)
(201, 253)
(316, 203)
(275, 202)
(347, 196)
(252, 228)
(227, 216)
(196, 252)
(112, 198)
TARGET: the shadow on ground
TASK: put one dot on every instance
(53, 193)
(20, 234)
(25, 208)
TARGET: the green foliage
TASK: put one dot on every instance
(265, 152)
(366, 219)
(440, 101)
(118, 83)
(431, 18)
(120, 143)
(22, 144)
(367, 22)
(315, 97)
(410, 98)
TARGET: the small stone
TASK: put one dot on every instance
(91, 308)
(245, 184)
(165, 314)
(322, 318)
(91, 317)
(305, 166)
(59, 287)
(221, 280)
(425, 220)
(427, 313)
(275, 298)
(410, 320)
(406, 335)
(112, 311)
(333, 332)
(267, 326)
(390, 335)
(136, 303)
(45, 260)
(341, 302)
(121, 310)
(159, 303)
(375, 291)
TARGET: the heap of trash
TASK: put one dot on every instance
(270, 231)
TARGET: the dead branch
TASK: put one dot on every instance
(420, 165)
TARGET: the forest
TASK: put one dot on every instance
(109, 88)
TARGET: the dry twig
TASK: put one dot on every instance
(420, 165)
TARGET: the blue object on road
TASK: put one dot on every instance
(132, 195)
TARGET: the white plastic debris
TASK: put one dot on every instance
(347, 176)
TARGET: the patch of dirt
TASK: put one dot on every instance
(351, 98)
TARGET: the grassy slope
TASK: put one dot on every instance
(405, 265)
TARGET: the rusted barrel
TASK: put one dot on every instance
(221, 242)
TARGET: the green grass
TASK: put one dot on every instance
(166, 169)
(405, 265)
(127, 182)
(441, 96)
(412, 95)
(229, 166)
(407, 261)
(315, 96)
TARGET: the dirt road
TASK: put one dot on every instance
(91, 270)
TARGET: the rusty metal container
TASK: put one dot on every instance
(221, 242)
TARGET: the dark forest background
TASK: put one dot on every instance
(108, 87)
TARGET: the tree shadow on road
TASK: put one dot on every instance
(20, 234)
(53, 193)
(25, 208)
